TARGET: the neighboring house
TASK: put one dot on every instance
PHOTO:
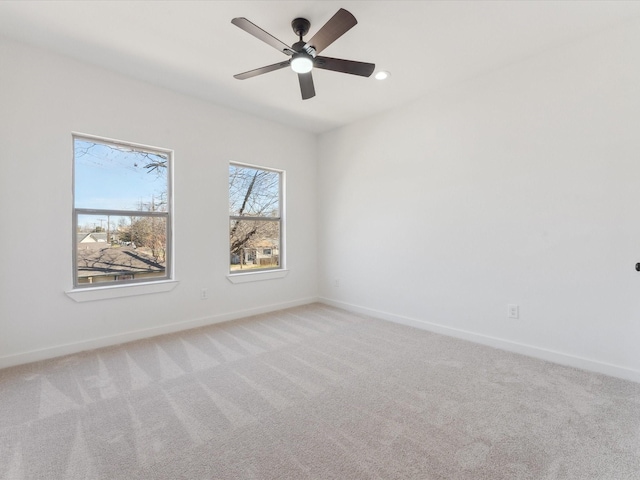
(97, 239)
(262, 252)
(266, 252)
(92, 238)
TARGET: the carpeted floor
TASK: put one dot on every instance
(314, 392)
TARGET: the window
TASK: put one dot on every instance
(121, 212)
(255, 218)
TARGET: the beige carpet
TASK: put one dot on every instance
(314, 393)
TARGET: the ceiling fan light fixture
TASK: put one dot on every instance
(301, 63)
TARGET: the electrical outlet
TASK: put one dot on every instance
(513, 311)
(204, 294)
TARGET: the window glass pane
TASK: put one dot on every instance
(255, 244)
(117, 177)
(253, 192)
(118, 248)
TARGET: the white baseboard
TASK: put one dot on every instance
(90, 344)
(528, 350)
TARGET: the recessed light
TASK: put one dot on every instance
(382, 75)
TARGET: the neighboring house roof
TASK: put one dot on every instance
(115, 260)
(93, 237)
(263, 243)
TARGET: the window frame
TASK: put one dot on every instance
(242, 276)
(153, 283)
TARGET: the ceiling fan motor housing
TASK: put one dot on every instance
(300, 26)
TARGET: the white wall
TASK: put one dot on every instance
(43, 98)
(519, 187)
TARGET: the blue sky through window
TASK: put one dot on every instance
(118, 177)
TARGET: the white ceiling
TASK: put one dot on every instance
(192, 47)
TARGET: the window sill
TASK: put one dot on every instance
(256, 276)
(118, 291)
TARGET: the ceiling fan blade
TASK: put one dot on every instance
(337, 25)
(261, 70)
(306, 85)
(345, 66)
(260, 34)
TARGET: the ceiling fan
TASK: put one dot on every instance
(304, 55)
